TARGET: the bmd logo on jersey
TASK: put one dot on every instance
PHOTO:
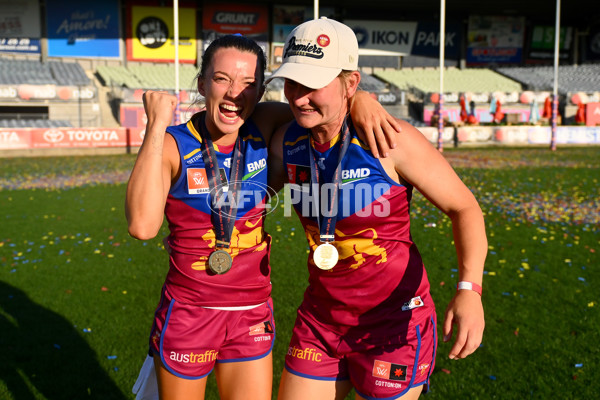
(353, 175)
(256, 166)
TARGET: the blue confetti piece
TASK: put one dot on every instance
(578, 365)
(57, 346)
(111, 357)
(581, 279)
(492, 377)
(505, 294)
(87, 330)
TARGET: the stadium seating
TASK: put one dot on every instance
(455, 80)
(147, 76)
(68, 73)
(16, 72)
(34, 123)
(571, 78)
(371, 84)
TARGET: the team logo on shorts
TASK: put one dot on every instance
(386, 370)
(262, 328)
(415, 302)
(156, 338)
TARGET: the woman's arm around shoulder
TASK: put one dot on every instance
(268, 116)
(156, 165)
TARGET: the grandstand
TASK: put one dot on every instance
(16, 72)
(70, 82)
(34, 123)
(161, 77)
(455, 80)
(36, 94)
(571, 78)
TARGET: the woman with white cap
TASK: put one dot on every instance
(367, 320)
(215, 311)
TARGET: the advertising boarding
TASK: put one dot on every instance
(20, 26)
(249, 20)
(83, 29)
(405, 38)
(151, 34)
(495, 39)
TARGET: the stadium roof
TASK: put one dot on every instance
(572, 12)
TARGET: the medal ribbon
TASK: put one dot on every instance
(327, 224)
(223, 219)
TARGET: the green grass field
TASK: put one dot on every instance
(77, 294)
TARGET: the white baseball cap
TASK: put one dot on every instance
(316, 52)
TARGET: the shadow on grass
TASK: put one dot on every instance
(44, 356)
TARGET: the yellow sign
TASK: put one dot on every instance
(152, 34)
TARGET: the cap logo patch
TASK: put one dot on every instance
(306, 50)
(323, 40)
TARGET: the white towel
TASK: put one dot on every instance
(146, 385)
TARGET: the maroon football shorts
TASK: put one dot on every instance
(190, 339)
(382, 364)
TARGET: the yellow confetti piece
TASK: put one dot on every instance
(491, 247)
(501, 261)
(492, 273)
(521, 275)
(525, 265)
(567, 260)
(591, 304)
(96, 251)
(124, 292)
(110, 256)
(87, 239)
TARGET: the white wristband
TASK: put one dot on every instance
(465, 285)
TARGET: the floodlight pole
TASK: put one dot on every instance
(176, 42)
(555, 89)
(440, 144)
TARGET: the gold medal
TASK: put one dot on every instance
(325, 256)
(219, 262)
